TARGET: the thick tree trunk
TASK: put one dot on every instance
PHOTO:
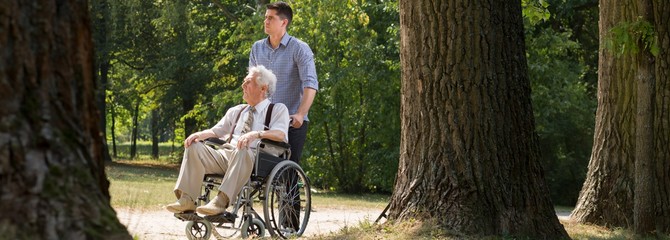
(607, 195)
(468, 152)
(627, 184)
(643, 213)
(662, 117)
(51, 161)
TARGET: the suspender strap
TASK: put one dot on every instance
(268, 116)
(230, 136)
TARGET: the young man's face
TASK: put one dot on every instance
(273, 23)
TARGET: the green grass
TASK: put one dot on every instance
(141, 184)
(148, 185)
(359, 201)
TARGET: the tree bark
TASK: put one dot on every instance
(643, 205)
(627, 184)
(661, 118)
(607, 195)
(51, 161)
(469, 156)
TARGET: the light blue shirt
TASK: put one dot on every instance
(293, 64)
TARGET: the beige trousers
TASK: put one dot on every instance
(199, 159)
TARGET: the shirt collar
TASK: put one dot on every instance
(262, 105)
(284, 40)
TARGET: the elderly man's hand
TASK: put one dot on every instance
(190, 139)
(246, 139)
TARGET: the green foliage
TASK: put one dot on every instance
(535, 11)
(564, 112)
(628, 37)
(353, 140)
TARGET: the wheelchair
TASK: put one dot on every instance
(279, 184)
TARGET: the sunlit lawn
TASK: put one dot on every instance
(141, 185)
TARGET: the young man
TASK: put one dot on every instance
(292, 61)
(244, 125)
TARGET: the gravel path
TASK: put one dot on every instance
(161, 224)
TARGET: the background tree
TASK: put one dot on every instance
(469, 156)
(51, 160)
(627, 182)
(101, 15)
(562, 47)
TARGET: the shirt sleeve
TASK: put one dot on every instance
(306, 67)
(280, 119)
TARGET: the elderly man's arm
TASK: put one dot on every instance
(274, 135)
(202, 135)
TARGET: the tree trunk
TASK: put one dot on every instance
(135, 132)
(469, 156)
(643, 213)
(154, 134)
(627, 184)
(51, 161)
(113, 132)
(607, 195)
(661, 118)
(101, 10)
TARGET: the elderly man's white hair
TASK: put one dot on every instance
(264, 77)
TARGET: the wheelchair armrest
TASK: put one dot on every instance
(216, 142)
(274, 143)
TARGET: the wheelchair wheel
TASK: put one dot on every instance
(198, 230)
(288, 200)
(253, 227)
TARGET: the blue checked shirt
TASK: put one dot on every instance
(293, 64)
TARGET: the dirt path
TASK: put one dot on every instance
(160, 224)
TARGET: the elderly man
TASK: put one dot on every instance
(242, 125)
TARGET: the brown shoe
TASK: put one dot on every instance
(185, 203)
(216, 206)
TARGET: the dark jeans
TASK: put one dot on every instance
(297, 137)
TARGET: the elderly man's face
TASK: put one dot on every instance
(253, 93)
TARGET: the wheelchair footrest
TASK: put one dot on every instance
(188, 216)
(225, 217)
